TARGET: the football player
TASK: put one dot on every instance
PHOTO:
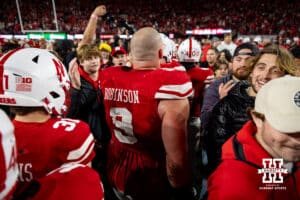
(189, 53)
(35, 86)
(147, 109)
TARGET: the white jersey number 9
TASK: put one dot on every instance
(122, 119)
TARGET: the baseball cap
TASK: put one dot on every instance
(279, 101)
(118, 50)
(247, 45)
(105, 47)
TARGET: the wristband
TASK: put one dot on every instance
(93, 16)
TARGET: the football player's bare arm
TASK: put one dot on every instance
(90, 30)
(174, 115)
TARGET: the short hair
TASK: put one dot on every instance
(214, 49)
(250, 110)
(21, 110)
(145, 43)
(228, 34)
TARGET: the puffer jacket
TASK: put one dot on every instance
(228, 117)
(211, 98)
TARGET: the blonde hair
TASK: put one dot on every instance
(87, 51)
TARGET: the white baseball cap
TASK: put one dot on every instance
(279, 101)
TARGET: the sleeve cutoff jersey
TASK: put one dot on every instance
(131, 99)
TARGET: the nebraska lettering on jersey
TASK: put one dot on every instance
(122, 95)
(25, 172)
(43, 147)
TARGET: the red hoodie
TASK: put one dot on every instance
(237, 176)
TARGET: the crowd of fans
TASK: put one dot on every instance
(243, 16)
(156, 119)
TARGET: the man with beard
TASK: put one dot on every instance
(230, 113)
(219, 89)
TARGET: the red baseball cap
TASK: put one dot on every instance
(118, 49)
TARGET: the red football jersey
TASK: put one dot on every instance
(43, 147)
(71, 181)
(198, 76)
(136, 160)
(8, 158)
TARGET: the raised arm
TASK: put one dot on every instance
(90, 30)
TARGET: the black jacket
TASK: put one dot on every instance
(87, 105)
(228, 117)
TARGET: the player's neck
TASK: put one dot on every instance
(145, 65)
(37, 116)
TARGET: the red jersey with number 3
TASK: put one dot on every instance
(136, 160)
(43, 147)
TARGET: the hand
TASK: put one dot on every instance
(74, 74)
(100, 10)
(224, 88)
